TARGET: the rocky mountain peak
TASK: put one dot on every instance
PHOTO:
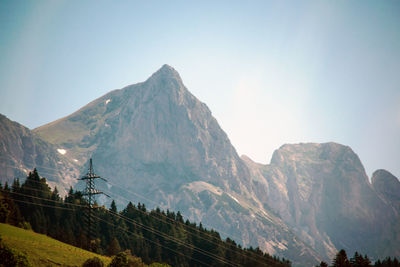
(165, 148)
(312, 151)
(387, 186)
(165, 75)
(385, 177)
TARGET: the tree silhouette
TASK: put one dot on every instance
(341, 259)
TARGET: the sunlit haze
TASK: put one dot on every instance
(271, 72)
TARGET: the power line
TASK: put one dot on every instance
(172, 222)
(152, 230)
(91, 191)
(161, 234)
(138, 195)
(189, 226)
(179, 242)
(149, 200)
(151, 241)
(41, 204)
(142, 197)
(147, 228)
(127, 231)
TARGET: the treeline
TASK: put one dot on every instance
(154, 236)
(358, 260)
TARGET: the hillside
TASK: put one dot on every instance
(43, 250)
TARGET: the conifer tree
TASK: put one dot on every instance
(341, 259)
(113, 207)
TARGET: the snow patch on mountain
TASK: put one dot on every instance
(61, 151)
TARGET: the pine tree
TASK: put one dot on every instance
(113, 207)
(341, 259)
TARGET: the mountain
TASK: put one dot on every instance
(21, 151)
(388, 188)
(322, 192)
(158, 144)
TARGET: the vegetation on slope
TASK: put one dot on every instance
(155, 236)
(42, 250)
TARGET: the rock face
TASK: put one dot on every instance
(156, 143)
(388, 188)
(21, 151)
(323, 193)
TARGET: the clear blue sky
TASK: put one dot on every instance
(272, 72)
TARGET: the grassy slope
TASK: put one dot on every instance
(43, 250)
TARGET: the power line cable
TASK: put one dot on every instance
(179, 242)
(149, 200)
(158, 232)
(194, 228)
(149, 229)
(151, 241)
(197, 230)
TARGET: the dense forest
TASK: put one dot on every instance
(153, 235)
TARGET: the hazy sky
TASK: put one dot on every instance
(272, 72)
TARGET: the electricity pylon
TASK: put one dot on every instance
(90, 192)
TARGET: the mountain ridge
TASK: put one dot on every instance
(322, 191)
(162, 144)
(21, 151)
(160, 136)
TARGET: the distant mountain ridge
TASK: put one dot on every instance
(162, 145)
(21, 151)
(323, 193)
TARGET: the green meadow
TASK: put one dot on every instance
(43, 250)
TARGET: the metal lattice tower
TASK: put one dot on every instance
(90, 192)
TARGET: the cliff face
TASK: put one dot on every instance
(388, 188)
(21, 151)
(157, 144)
(323, 193)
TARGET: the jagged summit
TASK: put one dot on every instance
(167, 68)
(316, 152)
(158, 140)
(165, 73)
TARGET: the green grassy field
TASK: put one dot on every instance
(43, 250)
